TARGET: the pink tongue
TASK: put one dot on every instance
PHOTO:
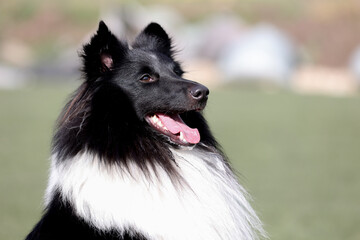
(175, 125)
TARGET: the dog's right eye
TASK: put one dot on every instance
(146, 78)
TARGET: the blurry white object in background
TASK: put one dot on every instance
(264, 53)
(355, 64)
(206, 40)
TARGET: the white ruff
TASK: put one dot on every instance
(212, 206)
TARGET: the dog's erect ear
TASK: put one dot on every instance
(102, 53)
(154, 37)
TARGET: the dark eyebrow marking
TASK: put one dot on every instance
(146, 69)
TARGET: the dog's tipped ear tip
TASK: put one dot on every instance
(154, 24)
(154, 29)
(102, 27)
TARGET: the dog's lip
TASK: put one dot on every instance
(172, 126)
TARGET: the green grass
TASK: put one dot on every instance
(299, 157)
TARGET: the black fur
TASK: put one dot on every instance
(60, 222)
(106, 115)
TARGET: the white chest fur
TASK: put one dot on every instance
(212, 205)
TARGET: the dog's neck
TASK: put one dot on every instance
(209, 204)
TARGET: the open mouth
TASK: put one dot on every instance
(175, 128)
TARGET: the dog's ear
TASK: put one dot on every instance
(154, 37)
(102, 53)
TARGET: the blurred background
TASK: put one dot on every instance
(284, 77)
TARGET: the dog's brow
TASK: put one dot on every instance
(146, 69)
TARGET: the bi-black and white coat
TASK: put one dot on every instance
(133, 157)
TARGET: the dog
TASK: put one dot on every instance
(133, 157)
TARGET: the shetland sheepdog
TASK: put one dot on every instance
(133, 157)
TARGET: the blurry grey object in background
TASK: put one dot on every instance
(11, 77)
(217, 33)
(264, 53)
(64, 68)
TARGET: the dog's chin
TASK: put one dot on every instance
(173, 128)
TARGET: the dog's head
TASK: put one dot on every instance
(150, 77)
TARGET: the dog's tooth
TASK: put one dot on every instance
(165, 128)
(182, 137)
(160, 124)
(154, 119)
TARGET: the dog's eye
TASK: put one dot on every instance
(146, 78)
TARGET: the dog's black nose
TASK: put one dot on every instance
(199, 92)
